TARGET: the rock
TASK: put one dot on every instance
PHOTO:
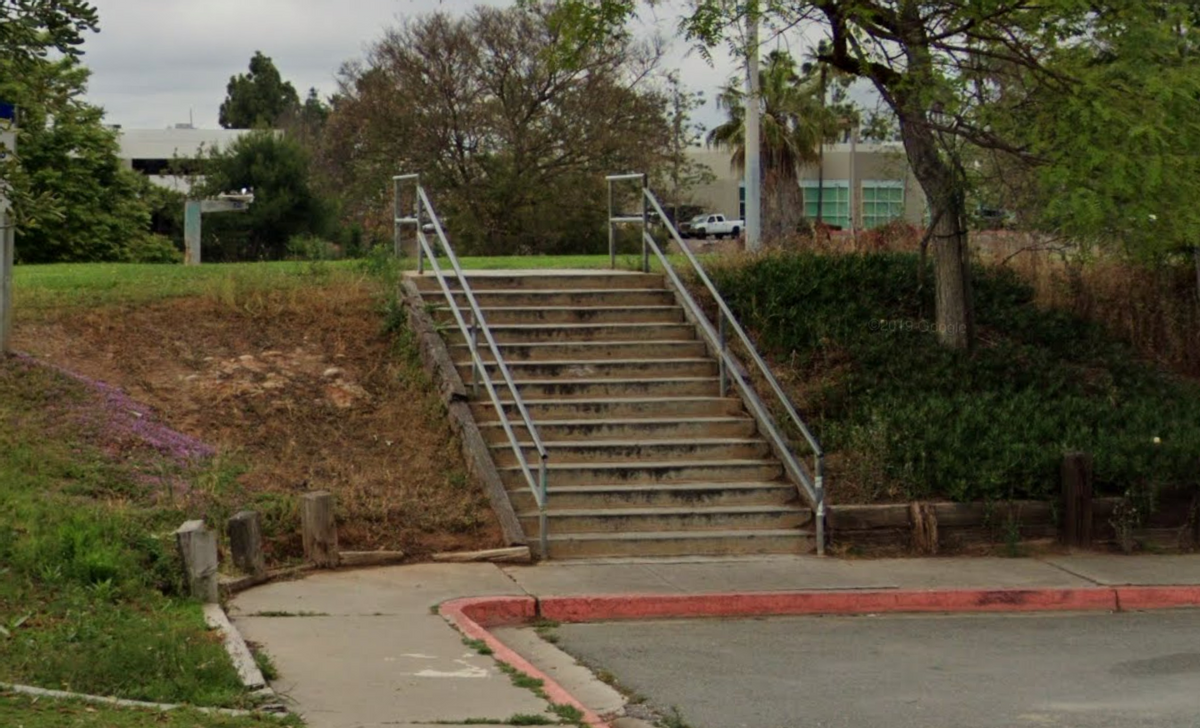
(332, 372)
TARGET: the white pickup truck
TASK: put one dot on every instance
(716, 226)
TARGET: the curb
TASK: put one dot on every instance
(474, 616)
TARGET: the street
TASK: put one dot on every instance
(1124, 670)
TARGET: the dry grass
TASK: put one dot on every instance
(298, 388)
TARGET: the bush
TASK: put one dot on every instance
(152, 249)
(915, 420)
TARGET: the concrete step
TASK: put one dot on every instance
(530, 333)
(544, 280)
(592, 314)
(633, 451)
(632, 388)
(608, 369)
(587, 351)
(660, 495)
(632, 520)
(671, 543)
(561, 297)
(641, 430)
(646, 473)
(609, 408)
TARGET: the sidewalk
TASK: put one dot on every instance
(365, 649)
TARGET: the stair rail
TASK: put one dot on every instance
(811, 482)
(424, 214)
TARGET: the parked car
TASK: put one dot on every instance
(716, 226)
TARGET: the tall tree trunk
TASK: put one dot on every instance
(947, 201)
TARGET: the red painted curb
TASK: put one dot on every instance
(474, 615)
(600, 608)
(1157, 597)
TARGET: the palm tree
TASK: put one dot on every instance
(795, 122)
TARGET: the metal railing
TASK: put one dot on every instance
(811, 482)
(423, 214)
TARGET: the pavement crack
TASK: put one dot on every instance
(1072, 572)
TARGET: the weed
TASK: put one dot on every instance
(568, 713)
(1012, 538)
(545, 629)
(478, 645)
(522, 680)
(530, 719)
(265, 664)
(674, 720)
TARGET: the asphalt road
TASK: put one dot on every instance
(1063, 670)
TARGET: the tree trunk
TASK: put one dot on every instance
(947, 201)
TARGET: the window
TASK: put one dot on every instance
(741, 200)
(882, 202)
(834, 199)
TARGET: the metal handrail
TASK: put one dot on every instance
(811, 483)
(422, 207)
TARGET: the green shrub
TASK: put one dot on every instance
(152, 248)
(916, 420)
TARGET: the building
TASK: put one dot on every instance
(864, 186)
(164, 154)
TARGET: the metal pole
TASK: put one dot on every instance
(397, 251)
(820, 512)
(419, 232)
(645, 224)
(476, 369)
(612, 233)
(721, 354)
(752, 133)
(545, 494)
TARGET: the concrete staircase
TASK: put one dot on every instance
(646, 457)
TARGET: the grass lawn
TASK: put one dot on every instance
(22, 711)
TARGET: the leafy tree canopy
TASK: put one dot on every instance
(276, 168)
(258, 99)
(29, 29)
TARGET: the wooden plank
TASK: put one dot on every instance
(245, 542)
(858, 518)
(993, 514)
(319, 528)
(517, 554)
(371, 558)
(198, 550)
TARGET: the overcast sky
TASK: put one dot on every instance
(156, 63)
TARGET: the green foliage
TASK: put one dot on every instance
(285, 205)
(74, 201)
(257, 100)
(918, 421)
(30, 29)
(28, 711)
(88, 577)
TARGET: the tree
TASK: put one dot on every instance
(514, 139)
(275, 168)
(29, 29)
(935, 63)
(74, 201)
(258, 99)
(794, 124)
(683, 173)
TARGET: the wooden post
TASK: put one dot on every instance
(1077, 472)
(924, 521)
(318, 528)
(245, 542)
(198, 549)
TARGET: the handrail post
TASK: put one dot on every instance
(819, 516)
(476, 372)
(612, 230)
(721, 354)
(645, 223)
(397, 227)
(542, 506)
(420, 232)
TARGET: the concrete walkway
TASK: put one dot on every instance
(366, 649)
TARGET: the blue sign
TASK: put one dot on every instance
(8, 112)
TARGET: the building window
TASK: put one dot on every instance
(882, 202)
(834, 198)
(741, 200)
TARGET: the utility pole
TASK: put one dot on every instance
(8, 224)
(753, 180)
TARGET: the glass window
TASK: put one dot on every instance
(882, 202)
(834, 199)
